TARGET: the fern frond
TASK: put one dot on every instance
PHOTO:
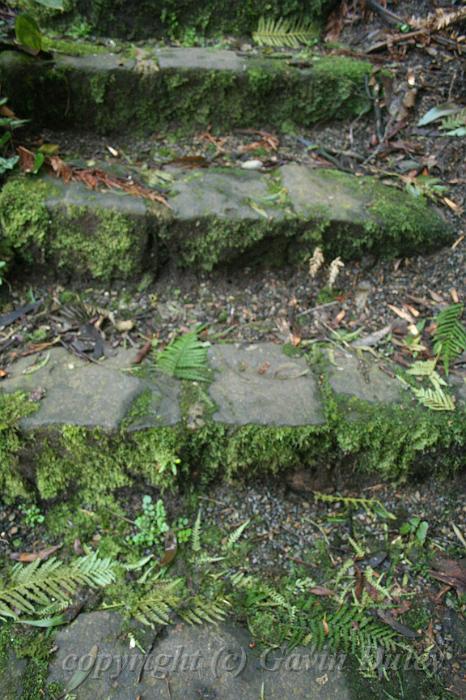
(159, 605)
(196, 534)
(422, 369)
(450, 334)
(435, 399)
(454, 121)
(185, 358)
(236, 534)
(41, 586)
(283, 32)
(201, 610)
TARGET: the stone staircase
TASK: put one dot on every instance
(324, 420)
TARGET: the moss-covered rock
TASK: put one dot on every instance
(84, 238)
(342, 435)
(187, 88)
(174, 19)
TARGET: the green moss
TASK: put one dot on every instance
(173, 19)
(100, 94)
(86, 242)
(72, 48)
(13, 407)
(33, 648)
(24, 220)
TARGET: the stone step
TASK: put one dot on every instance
(216, 216)
(326, 421)
(154, 89)
(164, 18)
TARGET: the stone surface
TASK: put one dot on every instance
(79, 392)
(225, 195)
(259, 384)
(308, 188)
(203, 59)
(186, 663)
(354, 376)
(12, 675)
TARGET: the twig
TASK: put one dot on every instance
(317, 308)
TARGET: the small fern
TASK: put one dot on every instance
(283, 32)
(370, 505)
(435, 399)
(236, 534)
(42, 586)
(196, 534)
(158, 606)
(455, 124)
(185, 358)
(450, 335)
(201, 610)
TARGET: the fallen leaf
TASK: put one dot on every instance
(321, 591)
(451, 572)
(265, 366)
(143, 352)
(43, 554)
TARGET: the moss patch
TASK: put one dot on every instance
(85, 242)
(110, 96)
(172, 18)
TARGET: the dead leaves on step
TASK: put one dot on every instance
(93, 178)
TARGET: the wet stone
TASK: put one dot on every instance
(78, 392)
(355, 376)
(187, 663)
(259, 384)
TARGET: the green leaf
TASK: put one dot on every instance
(28, 33)
(438, 112)
(7, 164)
(51, 4)
(283, 32)
(421, 532)
(450, 334)
(185, 358)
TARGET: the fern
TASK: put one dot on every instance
(236, 534)
(185, 358)
(283, 32)
(159, 605)
(41, 586)
(435, 399)
(201, 610)
(450, 335)
(196, 535)
(370, 505)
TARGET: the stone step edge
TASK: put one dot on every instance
(191, 88)
(264, 413)
(214, 216)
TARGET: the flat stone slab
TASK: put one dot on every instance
(90, 394)
(259, 384)
(187, 663)
(355, 376)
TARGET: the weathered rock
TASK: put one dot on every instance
(354, 376)
(214, 217)
(188, 662)
(189, 87)
(260, 385)
(78, 392)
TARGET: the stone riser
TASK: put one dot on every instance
(99, 427)
(164, 18)
(183, 88)
(215, 217)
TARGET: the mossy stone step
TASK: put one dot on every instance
(191, 88)
(94, 428)
(215, 217)
(141, 19)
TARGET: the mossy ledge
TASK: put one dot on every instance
(217, 217)
(175, 19)
(356, 439)
(188, 88)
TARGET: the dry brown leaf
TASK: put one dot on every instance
(43, 554)
(402, 313)
(321, 591)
